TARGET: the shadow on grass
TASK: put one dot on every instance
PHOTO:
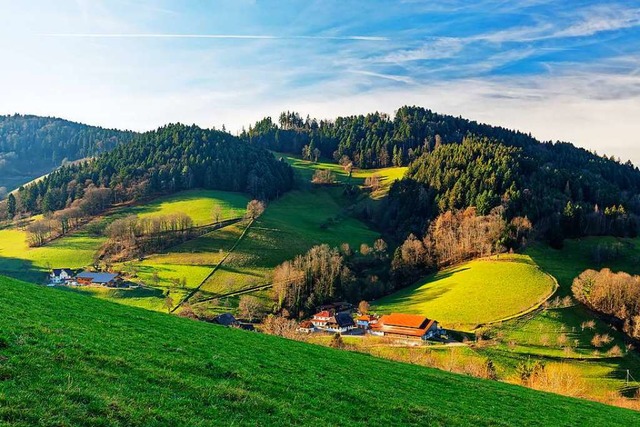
(22, 269)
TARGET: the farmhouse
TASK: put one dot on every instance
(97, 279)
(306, 327)
(341, 322)
(60, 275)
(333, 322)
(321, 319)
(405, 326)
(365, 321)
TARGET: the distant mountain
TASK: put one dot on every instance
(31, 146)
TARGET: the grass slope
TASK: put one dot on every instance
(543, 334)
(78, 249)
(70, 360)
(305, 169)
(474, 293)
(290, 226)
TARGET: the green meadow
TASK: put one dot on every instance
(198, 204)
(305, 169)
(290, 226)
(71, 360)
(474, 293)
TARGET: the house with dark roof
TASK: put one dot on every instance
(60, 275)
(226, 319)
(97, 279)
(341, 322)
(406, 326)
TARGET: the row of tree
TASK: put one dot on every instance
(133, 236)
(456, 236)
(613, 294)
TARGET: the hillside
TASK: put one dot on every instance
(31, 146)
(170, 159)
(455, 163)
(153, 369)
(474, 293)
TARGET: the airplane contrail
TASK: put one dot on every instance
(212, 36)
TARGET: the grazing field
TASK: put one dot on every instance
(77, 249)
(18, 260)
(580, 254)
(290, 226)
(474, 293)
(198, 204)
(566, 332)
(306, 169)
(153, 369)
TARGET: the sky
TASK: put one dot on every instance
(565, 71)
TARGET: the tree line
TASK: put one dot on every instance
(132, 236)
(612, 294)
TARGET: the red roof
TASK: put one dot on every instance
(366, 318)
(324, 313)
(404, 320)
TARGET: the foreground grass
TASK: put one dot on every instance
(70, 360)
(474, 293)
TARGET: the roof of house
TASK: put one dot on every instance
(58, 271)
(366, 318)
(226, 319)
(306, 324)
(97, 277)
(344, 320)
(404, 320)
(324, 313)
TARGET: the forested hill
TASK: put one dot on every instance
(456, 163)
(378, 140)
(31, 146)
(172, 158)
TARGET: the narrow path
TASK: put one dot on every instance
(236, 293)
(216, 268)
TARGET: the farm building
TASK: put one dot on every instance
(306, 327)
(321, 318)
(97, 279)
(60, 275)
(333, 322)
(341, 322)
(406, 326)
(226, 319)
(365, 321)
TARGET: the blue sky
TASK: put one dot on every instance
(560, 70)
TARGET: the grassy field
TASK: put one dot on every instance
(151, 369)
(474, 293)
(560, 334)
(198, 204)
(77, 250)
(290, 226)
(17, 259)
(305, 169)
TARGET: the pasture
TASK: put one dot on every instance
(474, 293)
(290, 226)
(149, 368)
